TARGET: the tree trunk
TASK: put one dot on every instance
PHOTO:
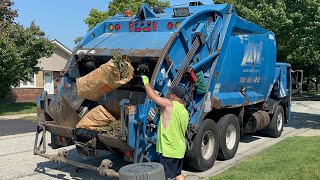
(308, 83)
(317, 83)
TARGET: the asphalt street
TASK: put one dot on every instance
(18, 162)
(16, 126)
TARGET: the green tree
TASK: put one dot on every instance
(7, 14)
(296, 24)
(118, 6)
(305, 55)
(95, 16)
(20, 48)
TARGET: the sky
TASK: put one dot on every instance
(63, 20)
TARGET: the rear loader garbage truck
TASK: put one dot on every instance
(226, 64)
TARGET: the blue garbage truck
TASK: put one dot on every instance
(227, 65)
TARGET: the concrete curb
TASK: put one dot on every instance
(311, 131)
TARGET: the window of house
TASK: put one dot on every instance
(30, 83)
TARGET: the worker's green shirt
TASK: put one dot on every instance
(171, 140)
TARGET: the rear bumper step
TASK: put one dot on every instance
(60, 157)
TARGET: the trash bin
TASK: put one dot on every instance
(142, 171)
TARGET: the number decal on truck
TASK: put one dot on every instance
(249, 80)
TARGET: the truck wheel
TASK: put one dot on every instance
(205, 147)
(229, 129)
(276, 125)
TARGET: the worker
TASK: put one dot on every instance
(174, 118)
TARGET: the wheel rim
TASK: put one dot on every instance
(207, 146)
(279, 121)
(231, 136)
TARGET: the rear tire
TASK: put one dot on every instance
(276, 125)
(205, 147)
(229, 129)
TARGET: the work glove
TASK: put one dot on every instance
(145, 79)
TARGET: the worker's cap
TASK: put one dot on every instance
(177, 90)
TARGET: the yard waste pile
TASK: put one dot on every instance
(100, 119)
(95, 118)
(107, 77)
(93, 86)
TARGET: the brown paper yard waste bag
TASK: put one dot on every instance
(105, 79)
(96, 118)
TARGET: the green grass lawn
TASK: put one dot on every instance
(17, 108)
(293, 158)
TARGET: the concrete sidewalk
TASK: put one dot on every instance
(17, 116)
(311, 132)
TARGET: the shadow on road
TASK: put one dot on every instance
(77, 173)
(16, 126)
(301, 120)
(248, 138)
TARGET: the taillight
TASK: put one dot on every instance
(63, 139)
(148, 23)
(146, 29)
(138, 29)
(170, 25)
(154, 26)
(135, 23)
(130, 26)
(127, 13)
(110, 27)
(142, 23)
(117, 27)
(178, 24)
(127, 153)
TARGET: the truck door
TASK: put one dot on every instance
(297, 79)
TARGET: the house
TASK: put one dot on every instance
(46, 79)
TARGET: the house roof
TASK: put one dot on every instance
(61, 46)
(53, 63)
(56, 62)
